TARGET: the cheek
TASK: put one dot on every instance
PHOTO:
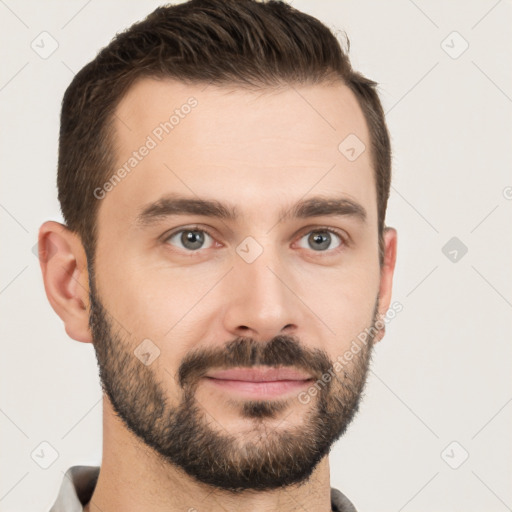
(342, 300)
(154, 301)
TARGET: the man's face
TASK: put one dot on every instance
(177, 297)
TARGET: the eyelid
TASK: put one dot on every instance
(342, 234)
(345, 238)
(191, 227)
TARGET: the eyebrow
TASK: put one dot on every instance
(317, 206)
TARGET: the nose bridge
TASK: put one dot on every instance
(262, 300)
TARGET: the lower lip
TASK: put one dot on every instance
(260, 389)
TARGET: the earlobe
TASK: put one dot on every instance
(386, 278)
(64, 268)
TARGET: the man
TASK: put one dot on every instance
(224, 176)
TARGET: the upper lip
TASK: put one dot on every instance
(262, 374)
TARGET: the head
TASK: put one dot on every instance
(224, 176)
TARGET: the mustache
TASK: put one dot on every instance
(282, 350)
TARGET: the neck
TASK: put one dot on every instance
(133, 478)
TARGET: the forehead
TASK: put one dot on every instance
(246, 148)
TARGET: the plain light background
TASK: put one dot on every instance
(440, 388)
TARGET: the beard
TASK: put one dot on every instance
(184, 436)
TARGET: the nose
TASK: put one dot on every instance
(261, 302)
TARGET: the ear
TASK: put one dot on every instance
(386, 277)
(66, 282)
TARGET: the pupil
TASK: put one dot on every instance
(321, 241)
(193, 238)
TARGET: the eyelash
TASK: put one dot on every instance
(344, 240)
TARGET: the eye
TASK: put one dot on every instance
(321, 240)
(191, 239)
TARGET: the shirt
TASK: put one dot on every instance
(79, 482)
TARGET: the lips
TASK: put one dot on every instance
(262, 374)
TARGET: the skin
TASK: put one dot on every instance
(260, 152)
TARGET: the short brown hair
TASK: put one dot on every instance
(244, 43)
